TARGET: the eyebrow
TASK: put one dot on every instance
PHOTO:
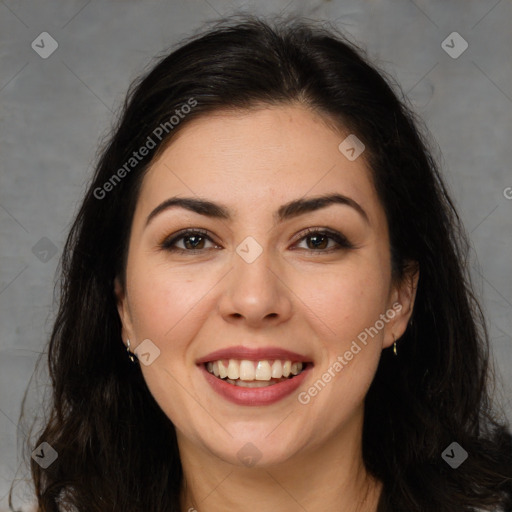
(285, 212)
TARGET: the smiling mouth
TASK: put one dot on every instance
(255, 374)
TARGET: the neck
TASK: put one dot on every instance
(326, 477)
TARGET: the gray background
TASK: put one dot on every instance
(55, 110)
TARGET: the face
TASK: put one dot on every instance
(263, 283)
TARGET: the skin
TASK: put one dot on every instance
(294, 295)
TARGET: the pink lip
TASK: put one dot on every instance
(253, 354)
(255, 396)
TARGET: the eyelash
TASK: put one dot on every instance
(341, 240)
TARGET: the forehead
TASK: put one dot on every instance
(251, 158)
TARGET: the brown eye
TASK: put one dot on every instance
(193, 241)
(190, 240)
(318, 241)
(325, 241)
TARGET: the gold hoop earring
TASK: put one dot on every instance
(394, 345)
(130, 354)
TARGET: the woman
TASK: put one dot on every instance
(264, 301)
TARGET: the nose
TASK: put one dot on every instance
(255, 294)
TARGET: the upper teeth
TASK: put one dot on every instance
(253, 370)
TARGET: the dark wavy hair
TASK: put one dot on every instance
(117, 450)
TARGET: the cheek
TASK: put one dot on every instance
(347, 304)
(169, 307)
(167, 304)
(346, 301)
(346, 309)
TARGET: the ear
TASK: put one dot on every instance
(402, 302)
(124, 311)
